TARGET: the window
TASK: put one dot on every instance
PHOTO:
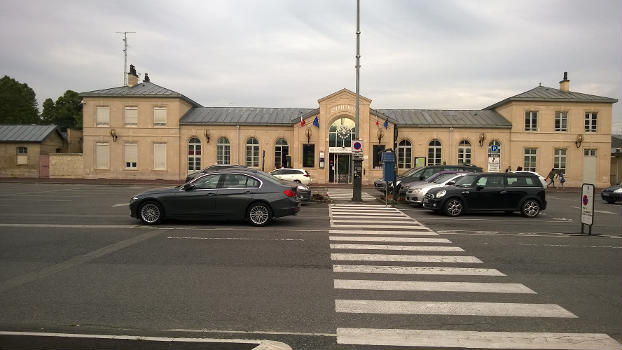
(341, 133)
(490, 181)
(281, 150)
(561, 121)
(589, 152)
(530, 159)
(308, 156)
(131, 116)
(252, 153)
(208, 182)
(377, 156)
(531, 121)
(404, 155)
(22, 155)
(159, 116)
(522, 181)
(223, 151)
(194, 154)
(239, 181)
(434, 153)
(131, 155)
(464, 152)
(559, 163)
(590, 121)
(102, 156)
(159, 156)
(102, 116)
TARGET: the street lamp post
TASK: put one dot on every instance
(357, 161)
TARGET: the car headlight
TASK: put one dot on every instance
(619, 190)
(398, 183)
(302, 188)
(441, 193)
(134, 198)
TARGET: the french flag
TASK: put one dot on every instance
(302, 121)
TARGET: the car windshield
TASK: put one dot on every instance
(411, 172)
(442, 178)
(465, 181)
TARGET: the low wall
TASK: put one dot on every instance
(66, 165)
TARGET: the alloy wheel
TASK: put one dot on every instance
(150, 213)
(259, 214)
(453, 207)
(531, 208)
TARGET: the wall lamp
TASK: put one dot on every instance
(482, 138)
(206, 133)
(579, 141)
(308, 134)
(379, 134)
(113, 134)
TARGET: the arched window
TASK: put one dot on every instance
(434, 152)
(464, 152)
(404, 155)
(281, 150)
(341, 133)
(223, 151)
(194, 154)
(252, 153)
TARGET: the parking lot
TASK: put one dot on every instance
(74, 261)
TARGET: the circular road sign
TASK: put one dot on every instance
(585, 201)
(357, 146)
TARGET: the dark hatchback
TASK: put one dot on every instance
(612, 194)
(229, 194)
(489, 192)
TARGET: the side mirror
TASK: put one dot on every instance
(451, 183)
(188, 187)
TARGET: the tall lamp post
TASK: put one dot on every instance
(357, 161)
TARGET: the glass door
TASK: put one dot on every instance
(340, 168)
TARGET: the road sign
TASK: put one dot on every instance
(494, 148)
(587, 206)
(357, 146)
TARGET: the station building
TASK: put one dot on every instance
(146, 131)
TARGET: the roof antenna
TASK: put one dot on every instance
(125, 56)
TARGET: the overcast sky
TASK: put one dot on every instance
(415, 54)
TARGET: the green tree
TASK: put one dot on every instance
(18, 104)
(68, 111)
(49, 111)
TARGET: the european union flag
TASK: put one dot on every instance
(386, 124)
(316, 122)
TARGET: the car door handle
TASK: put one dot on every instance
(210, 194)
(503, 192)
(466, 192)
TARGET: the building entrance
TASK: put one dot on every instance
(340, 168)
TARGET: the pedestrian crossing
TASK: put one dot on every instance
(345, 194)
(380, 251)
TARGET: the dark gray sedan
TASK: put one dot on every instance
(232, 194)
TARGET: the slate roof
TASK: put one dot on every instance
(26, 133)
(144, 89)
(245, 116)
(547, 94)
(433, 118)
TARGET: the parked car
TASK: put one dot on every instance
(212, 168)
(507, 192)
(303, 193)
(229, 194)
(423, 173)
(612, 194)
(542, 179)
(415, 194)
(297, 175)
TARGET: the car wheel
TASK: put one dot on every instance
(151, 213)
(454, 207)
(259, 214)
(530, 208)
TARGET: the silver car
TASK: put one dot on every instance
(416, 193)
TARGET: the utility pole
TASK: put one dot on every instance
(357, 161)
(125, 56)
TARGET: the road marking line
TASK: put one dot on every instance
(373, 226)
(451, 308)
(408, 258)
(397, 247)
(389, 239)
(358, 206)
(251, 332)
(344, 213)
(77, 260)
(412, 231)
(417, 270)
(368, 220)
(236, 238)
(427, 286)
(120, 205)
(261, 344)
(570, 246)
(474, 339)
(77, 226)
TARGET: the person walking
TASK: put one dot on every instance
(508, 169)
(551, 177)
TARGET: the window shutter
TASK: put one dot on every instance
(102, 116)
(159, 116)
(131, 155)
(102, 156)
(159, 156)
(131, 115)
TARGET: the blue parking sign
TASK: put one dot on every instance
(494, 148)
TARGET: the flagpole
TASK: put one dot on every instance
(357, 161)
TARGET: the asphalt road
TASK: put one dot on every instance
(73, 261)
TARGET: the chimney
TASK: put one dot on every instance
(146, 79)
(564, 85)
(132, 77)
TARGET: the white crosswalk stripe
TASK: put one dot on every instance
(346, 194)
(400, 244)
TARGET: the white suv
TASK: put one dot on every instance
(297, 175)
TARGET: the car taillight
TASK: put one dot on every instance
(289, 193)
(307, 175)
